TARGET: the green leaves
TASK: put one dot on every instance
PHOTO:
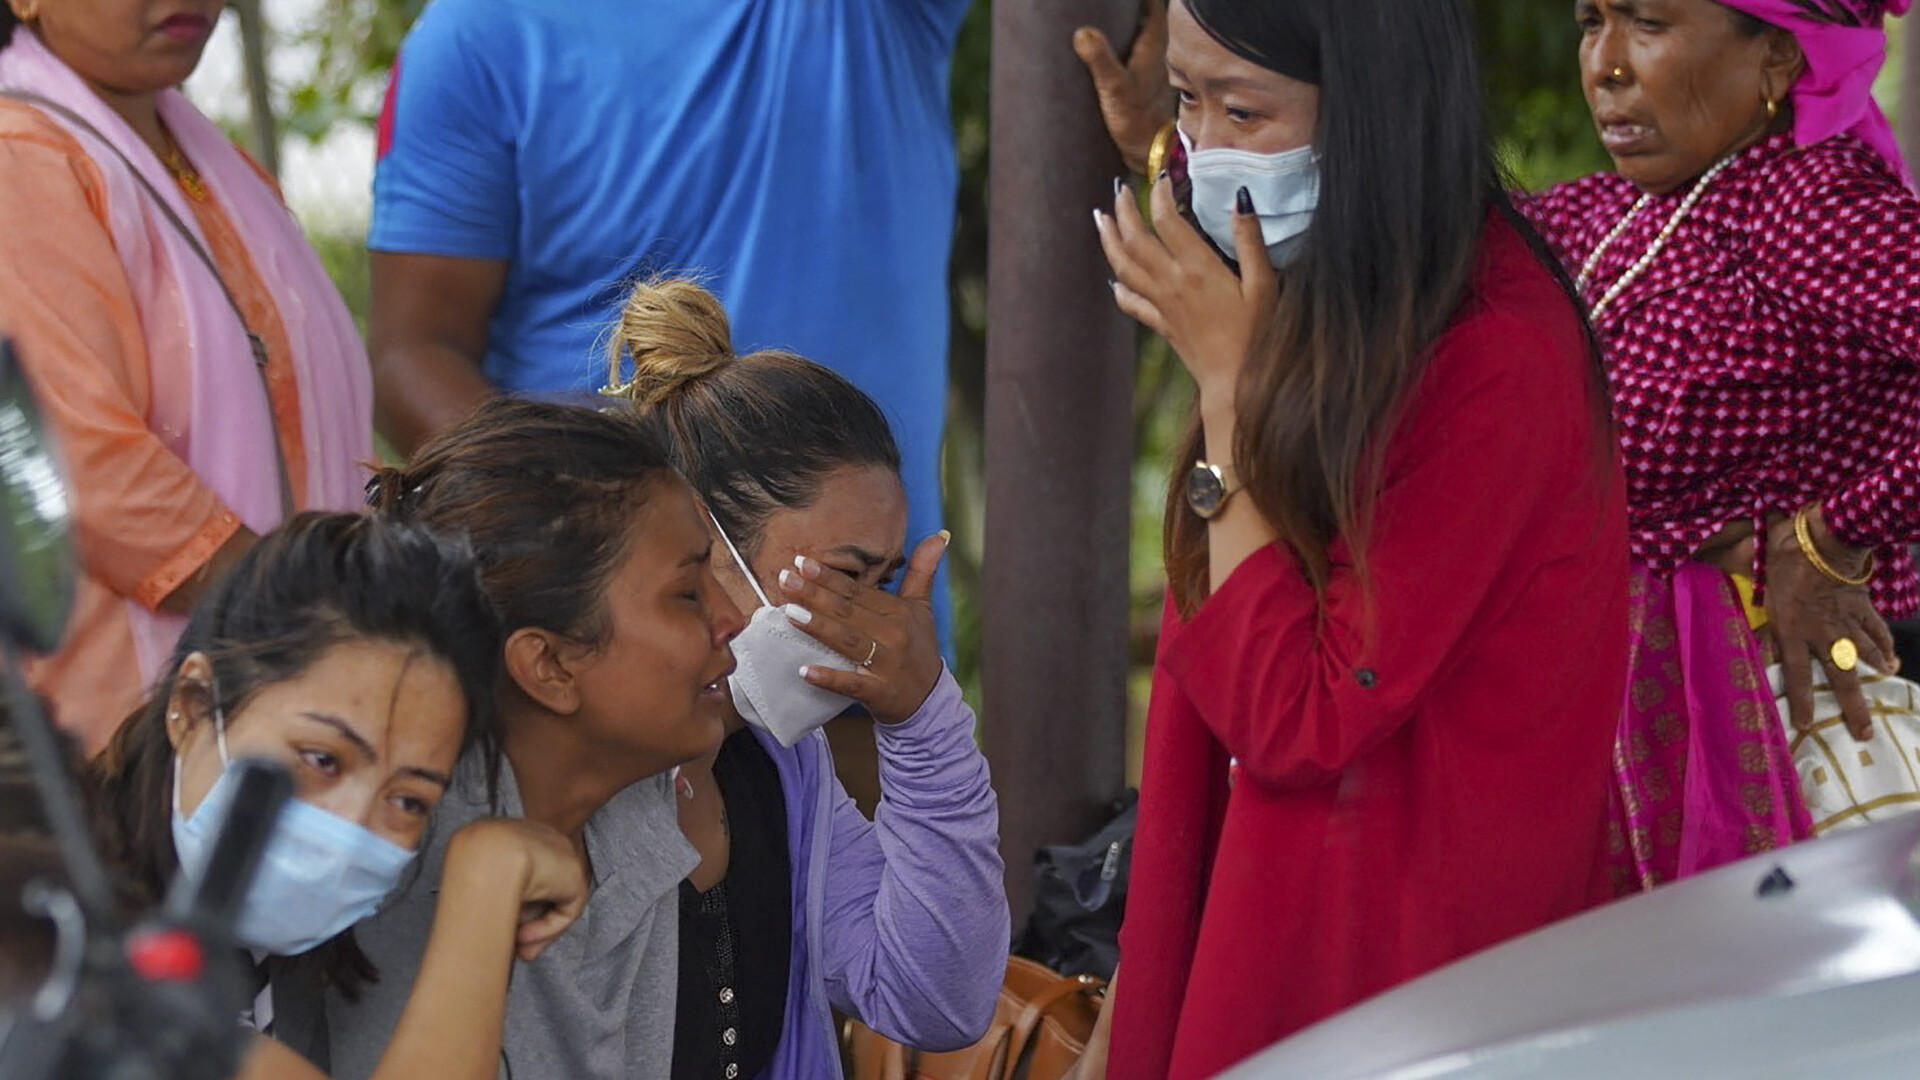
(1530, 58)
(354, 43)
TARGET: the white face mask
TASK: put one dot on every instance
(320, 874)
(768, 655)
(1285, 188)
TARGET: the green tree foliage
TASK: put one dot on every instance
(1530, 54)
(355, 43)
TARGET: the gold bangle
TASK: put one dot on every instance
(1157, 151)
(1803, 535)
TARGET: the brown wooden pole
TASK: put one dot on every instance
(1060, 362)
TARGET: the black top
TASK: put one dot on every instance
(735, 938)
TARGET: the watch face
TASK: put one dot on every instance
(1205, 493)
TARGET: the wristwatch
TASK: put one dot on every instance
(1209, 486)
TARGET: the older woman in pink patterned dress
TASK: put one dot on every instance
(1750, 271)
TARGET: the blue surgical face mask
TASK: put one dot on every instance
(1285, 188)
(321, 873)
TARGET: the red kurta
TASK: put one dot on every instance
(1404, 802)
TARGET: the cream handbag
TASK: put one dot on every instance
(1847, 782)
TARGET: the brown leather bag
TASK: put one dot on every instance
(1040, 1028)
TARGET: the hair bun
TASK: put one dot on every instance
(672, 331)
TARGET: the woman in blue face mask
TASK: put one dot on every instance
(1388, 673)
(359, 655)
(799, 903)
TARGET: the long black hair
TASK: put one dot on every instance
(1409, 176)
(316, 582)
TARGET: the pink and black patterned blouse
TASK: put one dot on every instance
(1770, 355)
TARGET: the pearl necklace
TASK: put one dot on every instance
(1653, 250)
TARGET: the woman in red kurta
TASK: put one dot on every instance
(1389, 669)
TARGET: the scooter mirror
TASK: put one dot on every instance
(37, 564)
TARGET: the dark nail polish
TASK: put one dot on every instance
(1243, 202)
(1119, 183)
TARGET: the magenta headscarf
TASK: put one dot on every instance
(1845, 43)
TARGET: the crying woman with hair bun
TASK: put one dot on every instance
(800, 904)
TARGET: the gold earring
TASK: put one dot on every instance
(1773, 110)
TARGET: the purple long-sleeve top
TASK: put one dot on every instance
(900, 921)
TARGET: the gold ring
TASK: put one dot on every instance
(1844, 654)
(875, 651)
(1619, 74)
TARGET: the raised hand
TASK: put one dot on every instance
(1171, 279)
(1135, 98)
(890, 640)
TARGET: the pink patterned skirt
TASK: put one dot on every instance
(1701, 767)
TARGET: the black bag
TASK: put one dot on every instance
(1079, 897)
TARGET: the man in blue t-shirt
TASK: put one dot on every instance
(538, 156)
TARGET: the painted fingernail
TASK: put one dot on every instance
(807, 567)
(1243, 201)
(806, 672)
(1099, 219)
(800, 616)
(946, 536)
(1118, 183)
(791, 581)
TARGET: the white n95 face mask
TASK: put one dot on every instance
(319, 875)
(1285, 188)
(768, 655)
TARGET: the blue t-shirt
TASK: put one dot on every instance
(798, 153)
